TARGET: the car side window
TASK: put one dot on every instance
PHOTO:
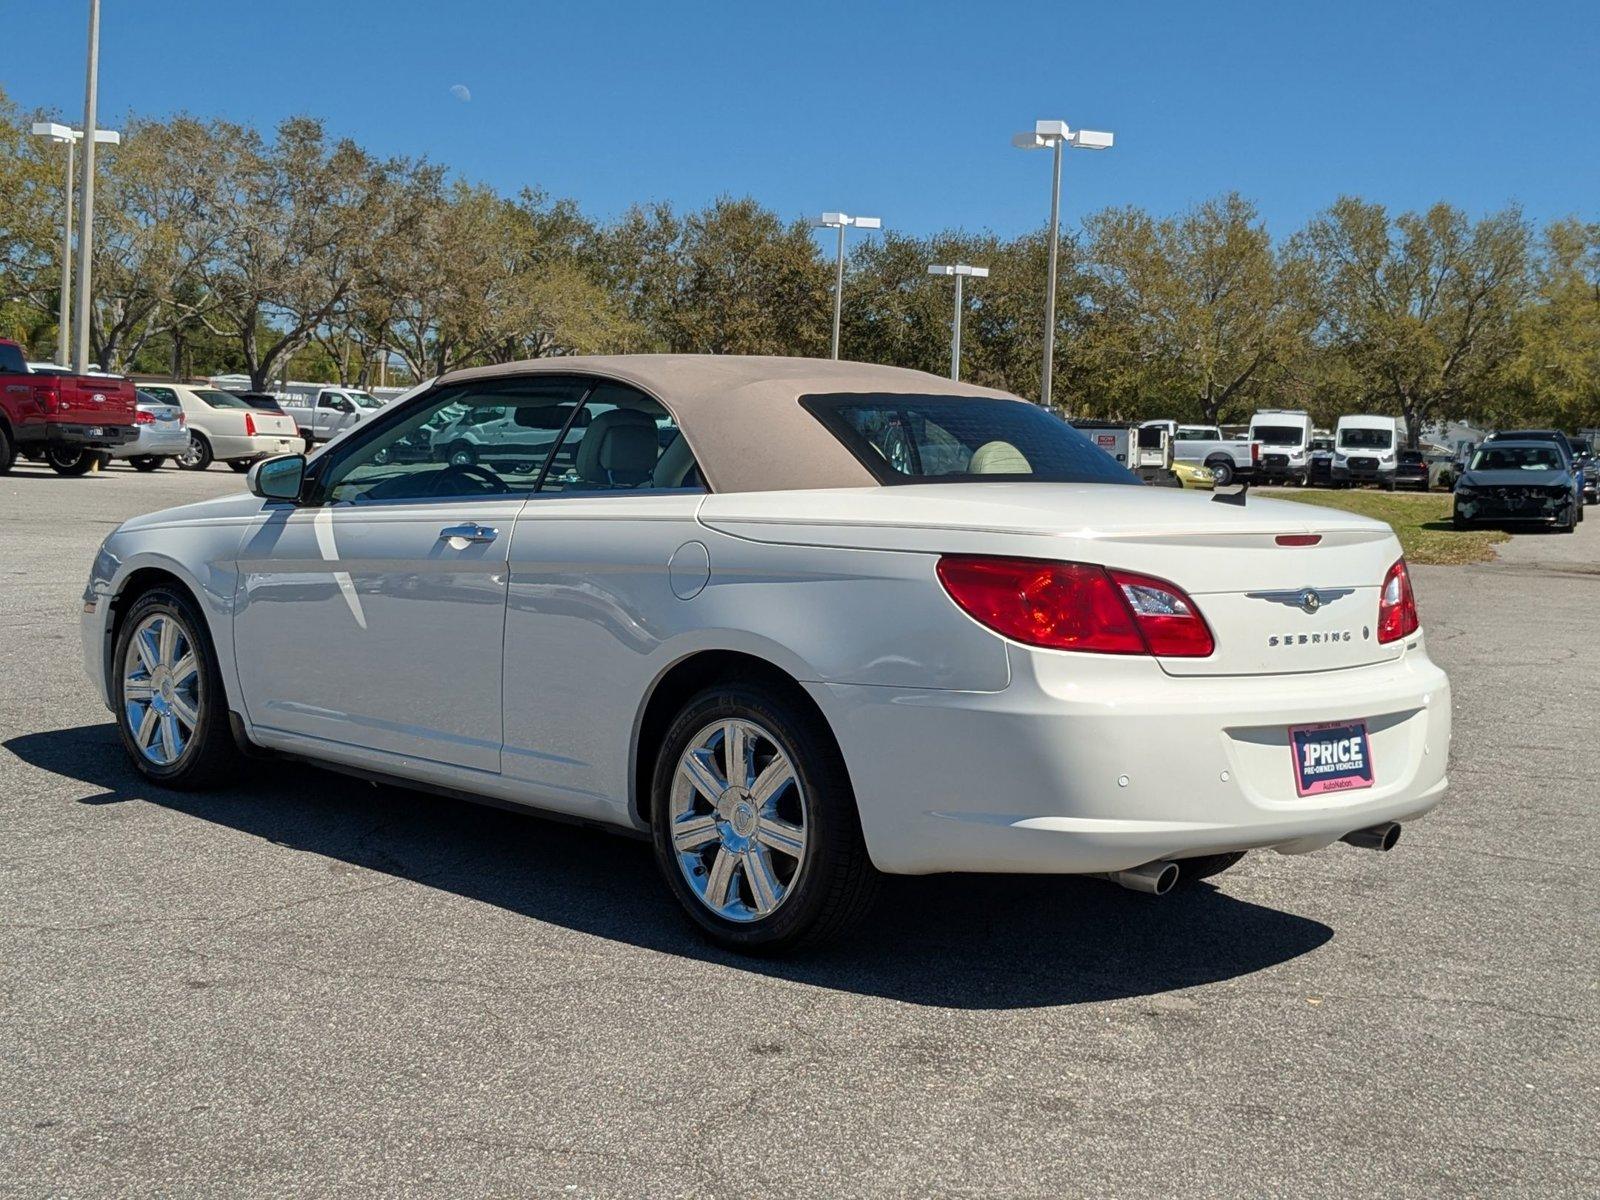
(622, 441)
(485, 439)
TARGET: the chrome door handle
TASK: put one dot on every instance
(470, 532)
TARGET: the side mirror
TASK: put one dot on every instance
(277, 478)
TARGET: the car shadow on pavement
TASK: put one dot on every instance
(967, 941)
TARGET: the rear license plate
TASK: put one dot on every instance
(96, 431)
(1335, 757)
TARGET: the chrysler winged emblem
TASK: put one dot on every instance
(1307, 600)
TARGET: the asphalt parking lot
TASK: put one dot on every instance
(315, 985)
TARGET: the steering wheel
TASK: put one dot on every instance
(449, 481)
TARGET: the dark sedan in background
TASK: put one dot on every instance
(1509, 481)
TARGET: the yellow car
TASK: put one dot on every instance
(1191, 475)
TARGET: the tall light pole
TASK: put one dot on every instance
(841, 221)
(64, 133)
(961, 272)
(80, 359)
(1056, 136)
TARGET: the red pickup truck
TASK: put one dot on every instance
(65, 420)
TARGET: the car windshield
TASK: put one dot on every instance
(1516, 458)
(1277, 435)
(221, 399)
(1366, 439)
(955, 439)
(1196, 433)
(1411, 458)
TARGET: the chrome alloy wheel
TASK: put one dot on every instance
(190, 455)
(161, 688)
(738, 820)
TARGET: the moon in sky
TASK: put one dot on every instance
(461, 91)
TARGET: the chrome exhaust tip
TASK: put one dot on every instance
(1375, 837)
(1153, 878)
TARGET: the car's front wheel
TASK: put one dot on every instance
(755, 822)
(167, 691)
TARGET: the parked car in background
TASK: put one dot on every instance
(224, 427)
(801, 622)
(1583, 447)
(1319, 463)
(163, 434)
(321, 417)
(1561, 442)
(69, 421)
(1511, 480)
(1412, 471)
(1285, 437)
(1230, 460)
(1364, 448)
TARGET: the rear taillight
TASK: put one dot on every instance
(142, 417)
(1397, 605)
(249, 425)
(1076, 606)
(1255, 452)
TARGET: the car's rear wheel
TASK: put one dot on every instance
(146, 462)
(755, 822)
(77, 460)
(8, 451)
(241, 465)
(463, 455)
(167, 691)
(1221, 472)
(198, 456)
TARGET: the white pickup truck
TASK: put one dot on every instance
(328, 413)
(1228, 459)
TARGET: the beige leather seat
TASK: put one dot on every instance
(998, 458)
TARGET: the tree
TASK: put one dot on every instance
(298, 221)
(1422, 307)
(1193, 311)
(1555, 377)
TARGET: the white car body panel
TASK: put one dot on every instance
(519, 669)
(225, 428)
(166, 434)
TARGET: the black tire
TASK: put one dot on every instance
(76, 461)
(8, 451)
(462, 455)
(146, 462)
(1458, 523)
(210, 756)
(835, 883)
(241, 465)
(199, 456)
(1221, 472)
(1192, 870)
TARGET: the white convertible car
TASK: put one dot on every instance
(801, 622)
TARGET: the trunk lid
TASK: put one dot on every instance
(1251, 590)
(280, 424)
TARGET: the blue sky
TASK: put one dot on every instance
(902, 110)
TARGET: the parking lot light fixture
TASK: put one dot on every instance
(961, 272)
(1055, 135)
(842, 221)
(70, 137)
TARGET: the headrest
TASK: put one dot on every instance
(619, 446)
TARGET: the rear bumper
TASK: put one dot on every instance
(153, 442)
(95, 437)
(1062, 775)
(259, 446)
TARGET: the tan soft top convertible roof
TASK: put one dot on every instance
(742, 415)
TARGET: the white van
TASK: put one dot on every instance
(1285, 437)
(1365, 450)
